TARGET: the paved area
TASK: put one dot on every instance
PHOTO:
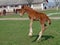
(25, 18)
(14, 18)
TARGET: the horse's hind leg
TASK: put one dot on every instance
(30, 31)
(41, 32)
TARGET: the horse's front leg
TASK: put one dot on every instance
(41, 32)
(30, 31)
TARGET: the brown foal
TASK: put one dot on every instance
(34, 16)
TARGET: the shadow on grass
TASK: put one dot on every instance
(44, 37)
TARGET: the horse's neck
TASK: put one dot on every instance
(29, 10)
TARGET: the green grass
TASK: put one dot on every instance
(52, 11)
(13, 16)
(16, 33)
(55, 15)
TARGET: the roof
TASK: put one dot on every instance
(11, 2)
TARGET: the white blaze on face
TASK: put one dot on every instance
(20, 14)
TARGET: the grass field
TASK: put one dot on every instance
(16, 33)
(13, 16)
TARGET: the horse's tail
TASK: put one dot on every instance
(49, 21)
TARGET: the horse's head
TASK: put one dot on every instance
(22, 10)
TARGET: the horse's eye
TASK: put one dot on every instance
(23, 6)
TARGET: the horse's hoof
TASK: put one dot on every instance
(30, 35)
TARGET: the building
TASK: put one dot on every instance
(9, 5)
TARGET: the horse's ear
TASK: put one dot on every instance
(24, 6)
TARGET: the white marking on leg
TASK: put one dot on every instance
(42, 30)
(40, 34)
(30, 31)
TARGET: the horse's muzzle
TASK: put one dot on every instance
(21, 14)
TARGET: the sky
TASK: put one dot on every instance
(51, 2)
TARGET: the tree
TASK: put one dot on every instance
(47, 1)
(29, 2)
(57, 4)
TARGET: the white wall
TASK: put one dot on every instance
(38, 6)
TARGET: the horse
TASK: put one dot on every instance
(35, 16)
(17, 10)
(0, 13)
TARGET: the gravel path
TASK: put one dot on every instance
(25, 18)
(14, 18)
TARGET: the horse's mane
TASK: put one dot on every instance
(30, 9)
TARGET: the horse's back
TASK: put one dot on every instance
(44, 18)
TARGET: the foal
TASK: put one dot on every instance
(34, 16)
